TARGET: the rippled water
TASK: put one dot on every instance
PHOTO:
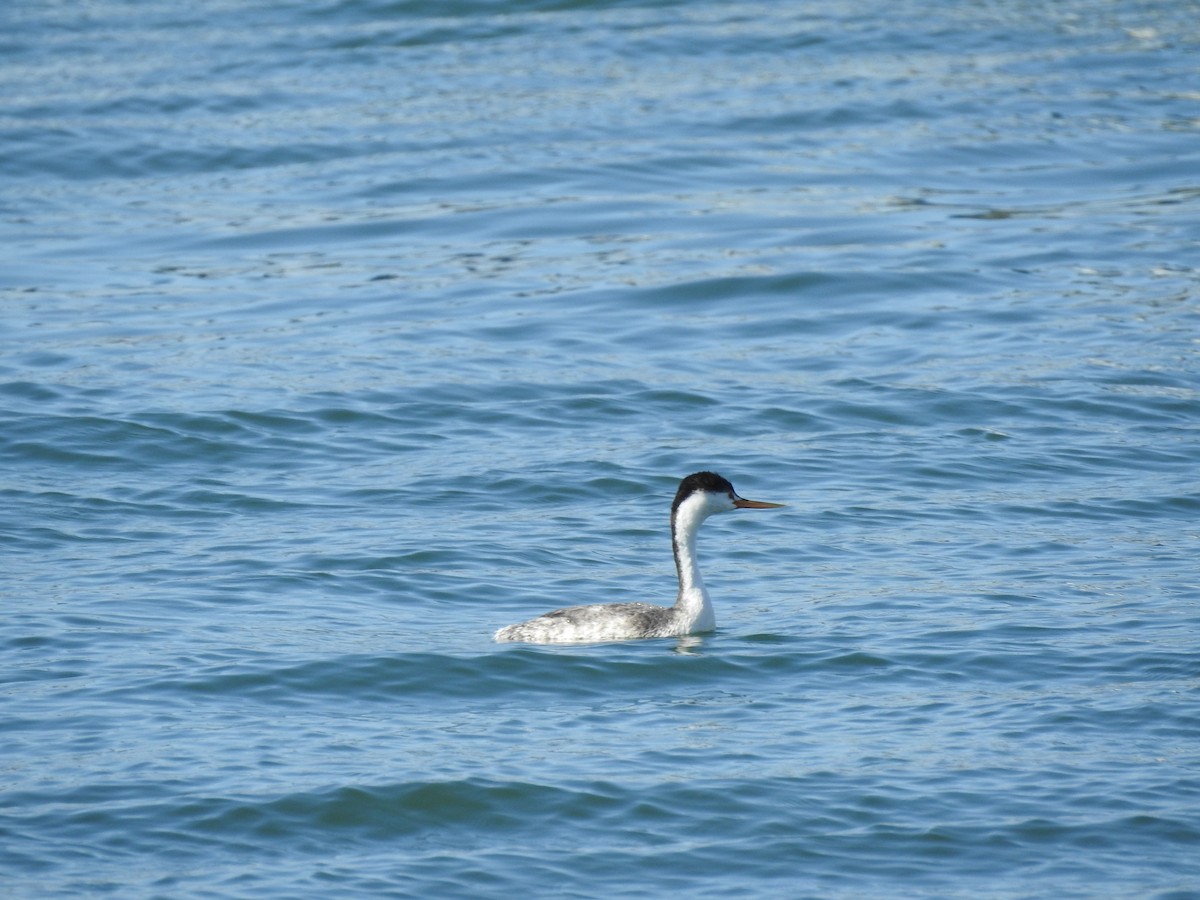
(337, 335)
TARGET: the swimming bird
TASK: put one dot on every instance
(700, 495)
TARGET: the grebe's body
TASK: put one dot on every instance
(699, 496)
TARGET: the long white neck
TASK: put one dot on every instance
(693, 602)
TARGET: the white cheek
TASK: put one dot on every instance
(700, 506)
(717, 503)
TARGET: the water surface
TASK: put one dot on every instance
(336, 336)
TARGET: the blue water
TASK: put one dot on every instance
(336, 335)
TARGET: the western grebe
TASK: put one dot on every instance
(699, 496)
